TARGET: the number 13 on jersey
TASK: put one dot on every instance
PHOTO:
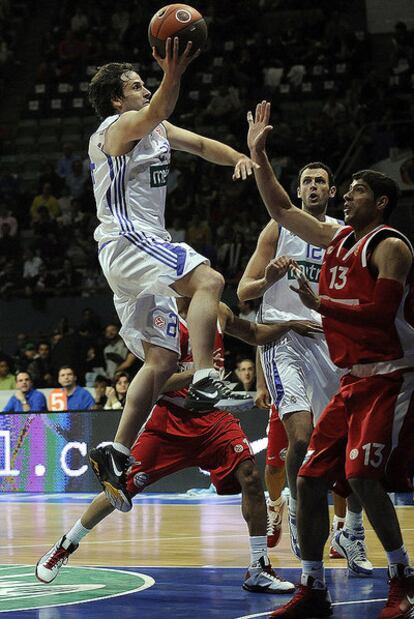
(338, 277)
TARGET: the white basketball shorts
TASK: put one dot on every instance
(299, 374)
(140, 272)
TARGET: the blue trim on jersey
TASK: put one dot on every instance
(274, 383)
(158, 247)
(167, 247)
(151, 250)
(108, 191)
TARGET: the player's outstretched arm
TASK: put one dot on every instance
(133, 125)
(273, 195)
(177, 381)
(210, 150)
(258, 334)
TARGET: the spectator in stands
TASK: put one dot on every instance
(9, 245)
(49, 175)
(117, 395)
(41, 367)
(79, 21)
(115, 351)
(64, 164)
(246, 375)
(101, 386)
(68, 280)
(47, 200)
(94, 365)
(78, 398)
(26, 399)
(31, 265)
(6, 217)
(28, 356)
(7, 380)
(76, 179)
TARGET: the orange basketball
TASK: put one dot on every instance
(177, 20)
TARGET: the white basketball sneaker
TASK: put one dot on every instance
(48, 566)
(261, 578)
(352, 547)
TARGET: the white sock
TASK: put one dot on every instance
(77, 532)
(399, 555)
(276, 503)
(353, 521)
(292, 505)
(314, 569)
(204, 373)
(121, 448)
(258, 548)
(337, 523)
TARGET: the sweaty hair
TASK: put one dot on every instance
(315, 165)
(106, 85)
(380, 185)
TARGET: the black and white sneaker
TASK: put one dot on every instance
(213, 393)
(110, 466)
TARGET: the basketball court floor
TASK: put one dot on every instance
(176, 556)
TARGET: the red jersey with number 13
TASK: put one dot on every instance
(346, 278)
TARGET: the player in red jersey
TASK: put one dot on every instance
(364, 437)
(174, 438)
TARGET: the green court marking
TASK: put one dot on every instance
(20, 590)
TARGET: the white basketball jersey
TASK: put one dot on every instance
(279, 302)
(130, 190)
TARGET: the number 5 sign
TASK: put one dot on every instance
(57, 400)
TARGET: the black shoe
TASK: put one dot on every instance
(211, 392)
(110, 466)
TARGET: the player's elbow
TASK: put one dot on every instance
(243, 291)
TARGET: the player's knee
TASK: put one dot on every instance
(361, 486)
(312, 488)
(299, 447)
(213, 281)
(249, 479)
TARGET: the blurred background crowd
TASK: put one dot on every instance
(340, 94)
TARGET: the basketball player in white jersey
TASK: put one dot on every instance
(299, 373)
(130, 158)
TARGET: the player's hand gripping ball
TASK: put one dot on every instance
(177, 20)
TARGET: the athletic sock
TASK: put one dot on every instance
(77, 532)
(395, 557)
(276, 503)
(204, 373)
(121, 448)
(315, 570)
(337, 523)
(353, 521)
(292, 505)
(258, 548)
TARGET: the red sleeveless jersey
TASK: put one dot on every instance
(346, 278)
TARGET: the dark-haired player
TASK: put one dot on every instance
(130, 158)
(299, 373)
(364, 438)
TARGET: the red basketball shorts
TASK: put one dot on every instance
(366, 431)
(220, 448)
(277, 440)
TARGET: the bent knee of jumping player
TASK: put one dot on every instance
(202, 279)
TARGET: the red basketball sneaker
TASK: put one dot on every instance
(274, 523)
(309, 601)
(333, 553)
(400, 603)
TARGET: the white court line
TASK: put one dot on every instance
(334, 604)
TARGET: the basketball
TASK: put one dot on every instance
(177, 20)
